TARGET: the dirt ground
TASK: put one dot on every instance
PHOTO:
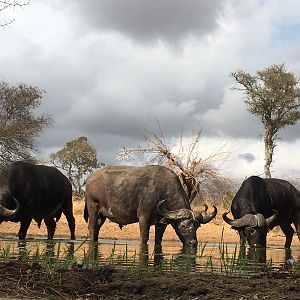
(19, 281)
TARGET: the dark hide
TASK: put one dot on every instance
(43, 193)
(151, 195)
(260, 205)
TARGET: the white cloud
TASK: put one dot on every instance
(285, 164)
(109, 78)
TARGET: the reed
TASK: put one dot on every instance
(5, 253)
(54, 256)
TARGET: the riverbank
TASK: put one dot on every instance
(21, 281)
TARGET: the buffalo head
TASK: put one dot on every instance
(185, 221)
(254, 227)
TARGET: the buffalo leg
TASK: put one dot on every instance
(71, 221)
(159, 232)
(288, 232)
(94, 226)
(25, 223)
(242, 238)
(101, 220)
(242, 252)
(296, 222)
(51, 225)
(96, 220)
(144, 229)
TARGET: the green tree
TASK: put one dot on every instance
(78, 158)
(272, 95)
(20, 124)
(227, 200)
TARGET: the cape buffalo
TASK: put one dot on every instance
(260, 205)
(151, 195)
(36, 192)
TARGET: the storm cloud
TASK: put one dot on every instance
(148, 21)
(112, 68)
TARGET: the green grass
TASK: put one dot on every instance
(237, 264)
(52, 256)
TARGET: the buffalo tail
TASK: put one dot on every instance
(86, 213)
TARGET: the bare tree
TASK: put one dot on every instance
(195, 172)
(20, 125)
(274, 97)
(7, 5)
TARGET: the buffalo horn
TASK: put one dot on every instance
(246, 220)
(9, 213)
(261, 221)
(208, 218)
(173, 214)
(270, 221)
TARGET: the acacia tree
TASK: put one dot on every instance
(198, 175)
(10, 4)
(272, 95)
(20, 124)
(78, 158)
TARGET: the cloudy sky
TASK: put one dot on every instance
(112, 68)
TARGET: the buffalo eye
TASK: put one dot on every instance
(250, 231)
(197, 223)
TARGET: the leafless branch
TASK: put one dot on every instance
(5, 5)
(193, 170)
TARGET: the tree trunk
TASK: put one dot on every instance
(189, 184)
(269, 147)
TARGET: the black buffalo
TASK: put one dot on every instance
(260, 205)
(151, 195)
(36, 192)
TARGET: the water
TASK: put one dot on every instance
(170, 257)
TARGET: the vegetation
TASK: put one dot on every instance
(53, 256)
(78, 158)
(272, 95)
(20, 124)
(227, 200)
(54, 271)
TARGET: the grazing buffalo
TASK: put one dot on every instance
(151, 195)
(260, 205)
(36, 192)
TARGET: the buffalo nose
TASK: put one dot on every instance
(193, 242)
